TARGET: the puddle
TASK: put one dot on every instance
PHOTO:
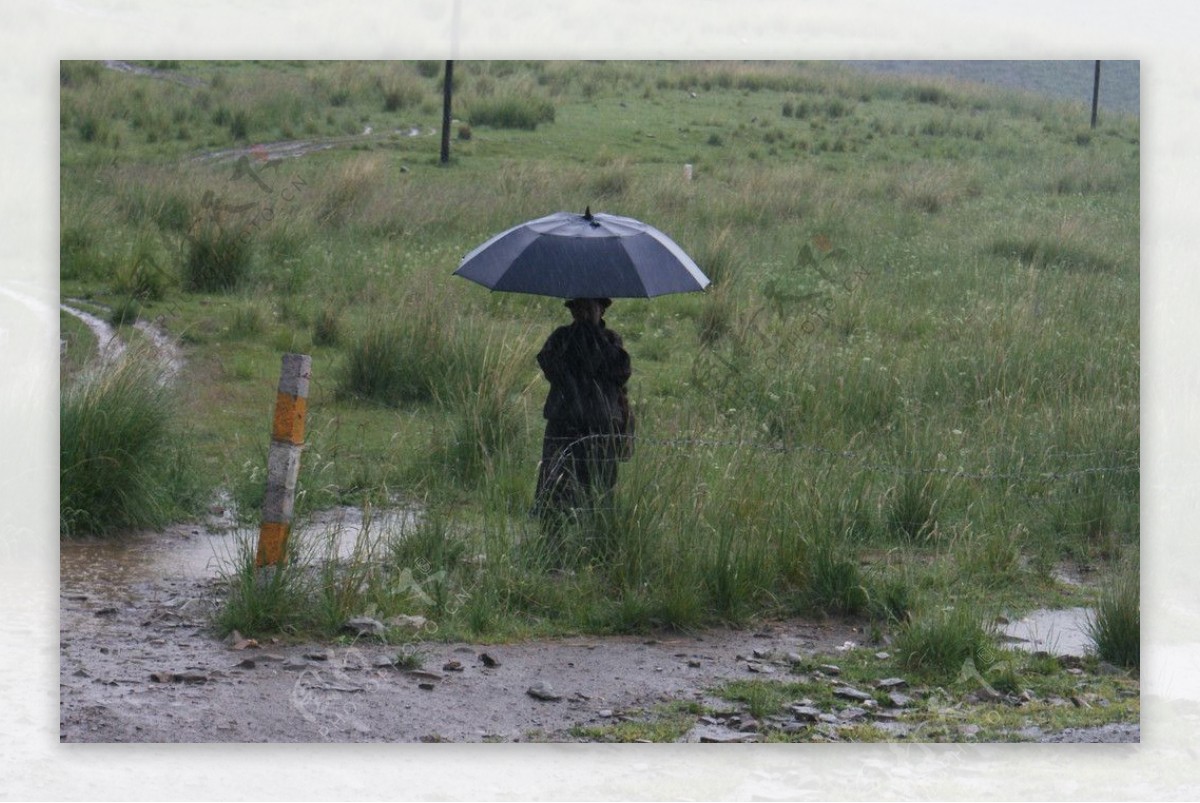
(347, 524)
(115, 568)
(1058, 632)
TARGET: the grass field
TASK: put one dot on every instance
(912, 386)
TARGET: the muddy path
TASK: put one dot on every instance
(152, 72)
(294, 148)
(110, 346)
(272, 151)
(140, 662)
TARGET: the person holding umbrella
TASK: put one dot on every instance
(587, 259)
(589, 425)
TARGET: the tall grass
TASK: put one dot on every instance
(79, 253)
(516, 111)
(1115, 626)
(217, 259)
(489, 416)
(944, 642)
(414, 354)
(124, 461)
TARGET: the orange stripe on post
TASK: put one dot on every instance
(289, 418)
(272, 543)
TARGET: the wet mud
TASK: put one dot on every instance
(139, 662)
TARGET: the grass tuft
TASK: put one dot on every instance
(835, 583)
(415, 355)
(514, 111)
(123, 464)
(216, 260)
(941, 642)
(912, 504)
(1115, 628)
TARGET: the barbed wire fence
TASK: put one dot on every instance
(864, 462)
(599, 449)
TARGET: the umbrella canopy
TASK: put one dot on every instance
(568, 255)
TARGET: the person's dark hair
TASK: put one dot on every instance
(604, 303)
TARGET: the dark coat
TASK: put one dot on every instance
(587, 367)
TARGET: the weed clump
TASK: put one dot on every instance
(122, 464)
(413, 356)
(79, 254)
(141, 276)
(911, 512)
(520, 112)
(353, 186)
(327, 329)
(942, 642)
(401, 90)
(1115, 628)
(835, 583)
(217, 260)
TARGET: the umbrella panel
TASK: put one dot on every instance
(573, 268)
(570, 256)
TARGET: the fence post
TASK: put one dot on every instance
(283, 460)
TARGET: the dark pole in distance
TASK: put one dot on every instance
(447, 91)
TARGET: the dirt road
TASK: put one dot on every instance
(138, 664)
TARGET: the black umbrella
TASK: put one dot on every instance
(568, 255)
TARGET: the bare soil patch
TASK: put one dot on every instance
(140, 664)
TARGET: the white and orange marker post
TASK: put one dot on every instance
(283, 461)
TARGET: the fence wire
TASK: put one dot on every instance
(873, 465)
(580, 478)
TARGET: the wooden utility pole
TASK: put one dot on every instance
(1096, 93)
(283, 460)
(447, 92)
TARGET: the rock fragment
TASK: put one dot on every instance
(851, 693)
(365, 626)
(806, 713)
(405, 622)
(543, 691)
